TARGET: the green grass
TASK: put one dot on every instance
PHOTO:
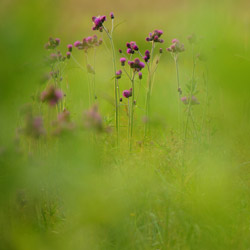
(77, 191)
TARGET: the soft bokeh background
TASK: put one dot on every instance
(72, 195)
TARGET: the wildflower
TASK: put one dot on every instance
(147, 56)
(132, 47)
(112, 15)
(155, 36)
(98, 22)
(160, 51)
(92, 119)
(33, 124)
(140, 75)
(120, 51)
(137, 65)
(88, 43)
(52, 95)
(185, 100)
(121, 99)
(70, 47)
(123, 60)
(52, 43)
(68, 54)
(63, 122)
(176, 46)
(127, 93)
(118, 74)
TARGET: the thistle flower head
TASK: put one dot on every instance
(132, 47)
(52, 43)
(176, 46)
(68, 54)
(147, 56)
(127, 93)
(155, 36)
(70, 47)
(93, 119)
(123, 60)
(88, 43)
(118, 74)
(112, 15)
(137, 65)
(98, 22)
(51, 95)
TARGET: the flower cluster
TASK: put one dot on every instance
(88, 43)
(33, 124)
(52, 95)
(155, 36)
(185, 100)
(55, 57)
(63, 122)
(176, 46)
(52, 43)
(132, 47)
(127, 93)
(147, 56)
(137, 65)
(98, 22)
(93, 119)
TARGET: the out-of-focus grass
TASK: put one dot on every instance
(69, 194)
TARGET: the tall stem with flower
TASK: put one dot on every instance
(98, 25)
(154, 38)
(176, 48)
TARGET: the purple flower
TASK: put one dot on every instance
(120, 51)
(132, 47)
(51, 95)
(140, 75)
(123, 60)
(98, 22)
(118, 74)
(52, 43)
(93, 119)
(147, 56)
(77, 43)
(137, 65)
(176, 46)
(155, 36)
(57, 41)
(70, 47)
(88, 43)
(112, 15)
(160, 50)
(186, 100)
(68, 54)
(127, 93)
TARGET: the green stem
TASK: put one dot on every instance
(178, 89)
(132, 112)
(115, 85)
(149, 81)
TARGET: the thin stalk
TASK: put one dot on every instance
(178, 88)
(190, 96)
(132, 112)
(149, 82)
(115, 85)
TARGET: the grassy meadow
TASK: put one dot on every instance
(176, 174)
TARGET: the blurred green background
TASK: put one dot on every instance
(70, 194)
